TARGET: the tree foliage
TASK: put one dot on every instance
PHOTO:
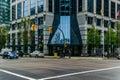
(3, 36)
(110, 37)
(93, 37)
(118, 33)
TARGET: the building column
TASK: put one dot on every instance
(45, 28)
(29, 6)
(45, 40)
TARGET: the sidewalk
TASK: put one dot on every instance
(52, 57)
(82, 58)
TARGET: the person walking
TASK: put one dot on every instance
(69, 53)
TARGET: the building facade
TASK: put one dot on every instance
(70, 21)
(4, 12)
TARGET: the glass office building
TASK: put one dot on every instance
(70, 21)
(5, 12)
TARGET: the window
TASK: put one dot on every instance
(56, 6)
(112, 25)
(90, 20)
(118, 7)
(106, 23)
(19, 8)
(40, 21)
(79, 5)
(13, 1)
(98, 22)
(98, 7)
(13, 12)
(113, 10)
(13, 27)
(25, 8)
(90, 6)
(73, 7)
(106, 8)
(65, 7)
(40, 6)
(32, 7)
(50, 5)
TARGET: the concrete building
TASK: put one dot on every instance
(4, 12)
(70, 21)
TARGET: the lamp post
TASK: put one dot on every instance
(109, 40)
(36, 31)
(103, 35)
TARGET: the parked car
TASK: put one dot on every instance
(4, 50)
(117, 53)
(10, 55)
(36, 54)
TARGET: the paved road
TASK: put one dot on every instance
(59, 69)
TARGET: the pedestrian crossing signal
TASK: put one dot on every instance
(50, 29)
(33, 27)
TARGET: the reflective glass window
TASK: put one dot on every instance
(90, 20)
(40, 21)
(90, 5)
(99, 6)
(32, 7)
(13, 12)
(79, 5)
(106, 8)
(19, 12)
(25, 8)
(113, 10)
(40, 6)
(113, 25)
(13, 0)
(98, 22)
(105, 23)
(50, 5)
(118, 7)
(63, 31)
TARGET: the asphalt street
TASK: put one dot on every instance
(59, 69)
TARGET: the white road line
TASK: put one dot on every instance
(15, 74)
(83, 72)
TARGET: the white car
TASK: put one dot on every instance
(37, 54)
(4, 50)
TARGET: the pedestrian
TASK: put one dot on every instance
(69, 53)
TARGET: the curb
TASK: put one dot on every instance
(87, 58)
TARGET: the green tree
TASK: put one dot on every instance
(93, 38)
(26, 22)
(3, 36)
(111, 39)
(118, 34)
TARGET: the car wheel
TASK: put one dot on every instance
(30, 56)
(42, 56)
(36, 56)
(8, 57)
(3, 57)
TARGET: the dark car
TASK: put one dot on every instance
(10, 55)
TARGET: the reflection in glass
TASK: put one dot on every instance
(63, 31)
(25, 9)
(40, 6)
(19, 12)
(32, 7)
